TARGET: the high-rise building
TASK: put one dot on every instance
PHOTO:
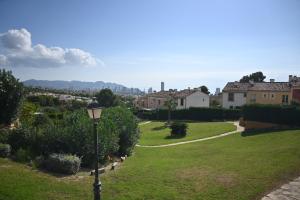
(218, 90)
(162, 86)
(150, 90)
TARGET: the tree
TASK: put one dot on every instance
(256, 77)
(204, 89)
(106, 98)
(171, 105)
(11, 92)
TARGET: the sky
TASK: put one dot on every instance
(139, 43)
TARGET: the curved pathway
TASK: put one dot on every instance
(238, 129)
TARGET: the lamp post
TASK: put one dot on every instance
(94, 111)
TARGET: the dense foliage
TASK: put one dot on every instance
(204, 89)
(11, 91)
(256, 77)
(199, 114)
(118, 134)
(4, 150)
(288, 115)
(178, 129)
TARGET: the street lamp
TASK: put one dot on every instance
(94, 111)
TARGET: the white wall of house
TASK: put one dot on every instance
(196, 99)
(239, 99)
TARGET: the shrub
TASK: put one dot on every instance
(5, 150)
(63, 163)
(178, 129)
(19, 138)
(4, 133)
(22, 155)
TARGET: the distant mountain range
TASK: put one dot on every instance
(81, 85)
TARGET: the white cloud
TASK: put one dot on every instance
(16, 50)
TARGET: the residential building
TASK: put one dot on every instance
(191, 98)
(236, 94)
(184, 99)
(270, 93)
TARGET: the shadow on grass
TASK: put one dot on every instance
(266, 131)
(158, 128)
(174, 137)
(82, 171)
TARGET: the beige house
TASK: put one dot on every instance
(270, 93)
(236, 94)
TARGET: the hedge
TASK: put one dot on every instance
(62, 163)
(200, 114)
(5, 150)
(286, 115)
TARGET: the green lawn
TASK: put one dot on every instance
(232, 167)
(156, 133)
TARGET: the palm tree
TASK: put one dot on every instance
(171, 105)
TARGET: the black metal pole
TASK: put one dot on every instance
(97, 183)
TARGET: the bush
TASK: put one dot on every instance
(287, 115)
(4, 133)
(63, 163)
(19, 138)
(22, 155)
(5, 150)
(178, 129)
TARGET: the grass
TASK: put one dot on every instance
(232, 167)
(157, 133)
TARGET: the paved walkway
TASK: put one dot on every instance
(238, 129)
(143, 123)
(289, 191)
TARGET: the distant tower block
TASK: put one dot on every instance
(150, 90)
(217, 91)
(162, 86)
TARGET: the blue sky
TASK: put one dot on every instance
(139, 43)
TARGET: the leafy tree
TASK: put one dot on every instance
(171, 105)
(256, 77)
(106, 98)
(11, 91)
(27, 112)
(204, 89)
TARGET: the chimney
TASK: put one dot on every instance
(162, 86)
(272, 80)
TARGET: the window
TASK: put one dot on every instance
(230, 96)
(158, 102)
(245, 94)
(285, 99)
(253, 98)
(181, 101)
(272, 96)
(265, 96)
(203, 99)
